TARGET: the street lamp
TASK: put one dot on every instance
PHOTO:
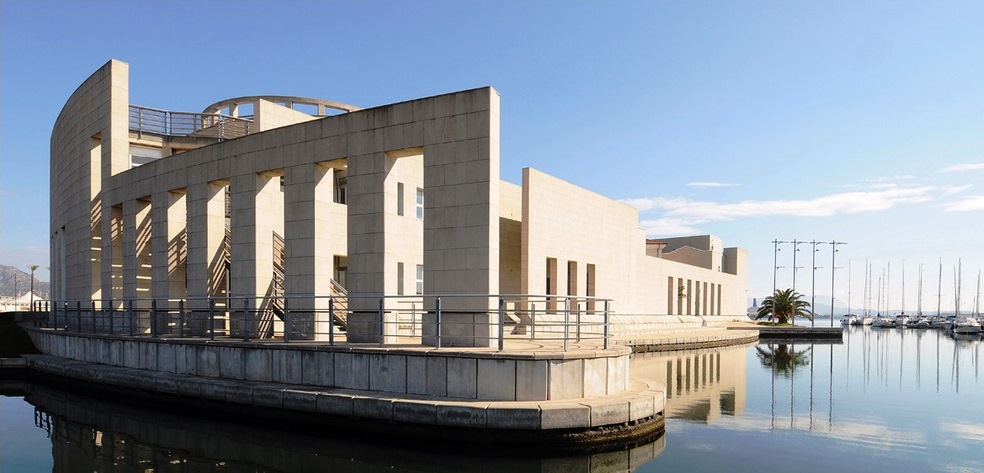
(833, 271)
(775, 262)
(796, 244)
(813, 293)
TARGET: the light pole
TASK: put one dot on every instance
(775, 262)
(833, 270)
(813, 291)
(796, 244)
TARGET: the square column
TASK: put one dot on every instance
(308, 255)
(206, 260)
(461, 228)
(366, 244)
(112, 256)
(168, 244)
(136, 258)
(254, 214)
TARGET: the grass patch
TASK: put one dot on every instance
(14, 341)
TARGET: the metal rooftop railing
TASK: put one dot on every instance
(167, 124)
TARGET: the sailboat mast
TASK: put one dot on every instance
(919, 299)
(939, 291)
(903, 287)
(849, 286)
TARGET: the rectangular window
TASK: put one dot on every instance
(420, 279)
(399, 279)
(399, 198)
(572, 278)
(551, 283)
(589, 286)
(420, 204)
(341, 188)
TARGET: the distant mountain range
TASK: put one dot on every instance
(8, 275)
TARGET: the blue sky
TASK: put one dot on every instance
(853, 121)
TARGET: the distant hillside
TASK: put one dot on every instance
(7, 275)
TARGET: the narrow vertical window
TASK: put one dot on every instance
(420, 204)
(399, 198)
(589, 286)
(399, 279)
(341, 188)
(420, 279)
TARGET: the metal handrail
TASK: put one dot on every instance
(561, 319)
(166, 123)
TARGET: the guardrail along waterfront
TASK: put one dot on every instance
(412, 320)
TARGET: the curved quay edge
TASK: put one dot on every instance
(615, 422)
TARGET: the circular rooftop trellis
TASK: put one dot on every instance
(287, 100)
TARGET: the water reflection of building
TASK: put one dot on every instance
(702, 384)
(99, 436)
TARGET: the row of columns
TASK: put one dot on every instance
(690, 297)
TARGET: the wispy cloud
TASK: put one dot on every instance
(963, 167)
(706, 184)
(970, 203)
(681, 215)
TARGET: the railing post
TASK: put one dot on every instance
(211, 318)
(108, 307)
(181, 318)
(129, 315)
(153, 318)
(502, 322)
(65, 313)
(382, 331)
(287, 320)
(92, 309)
(567, 320)
(245, 319)
(532, 320)
(437, 312)
(607, 320)
(331, 320)
(78, 316)
(577, 319)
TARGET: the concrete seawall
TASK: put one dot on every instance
(572, 399)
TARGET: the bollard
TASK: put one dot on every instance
(438, 316)
(211, 318)
(502, 322)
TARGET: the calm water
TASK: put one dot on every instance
(885, 400)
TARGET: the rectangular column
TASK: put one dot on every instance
(308, 256)
(366, 244)
(206, 257)
(112, 250)
(461, 227)
(136, 259)
(253, 215)
(168, 243)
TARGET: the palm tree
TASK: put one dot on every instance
(33, 268)
(784, 305)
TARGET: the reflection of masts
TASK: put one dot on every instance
(903, 287)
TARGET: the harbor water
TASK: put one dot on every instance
(898, 400)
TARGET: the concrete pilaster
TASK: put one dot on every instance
(111, 266)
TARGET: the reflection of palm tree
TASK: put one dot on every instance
(783, 358)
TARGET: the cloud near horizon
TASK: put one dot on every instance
(963, 167)
(970, 203)
(682, 216)
(705, 184)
